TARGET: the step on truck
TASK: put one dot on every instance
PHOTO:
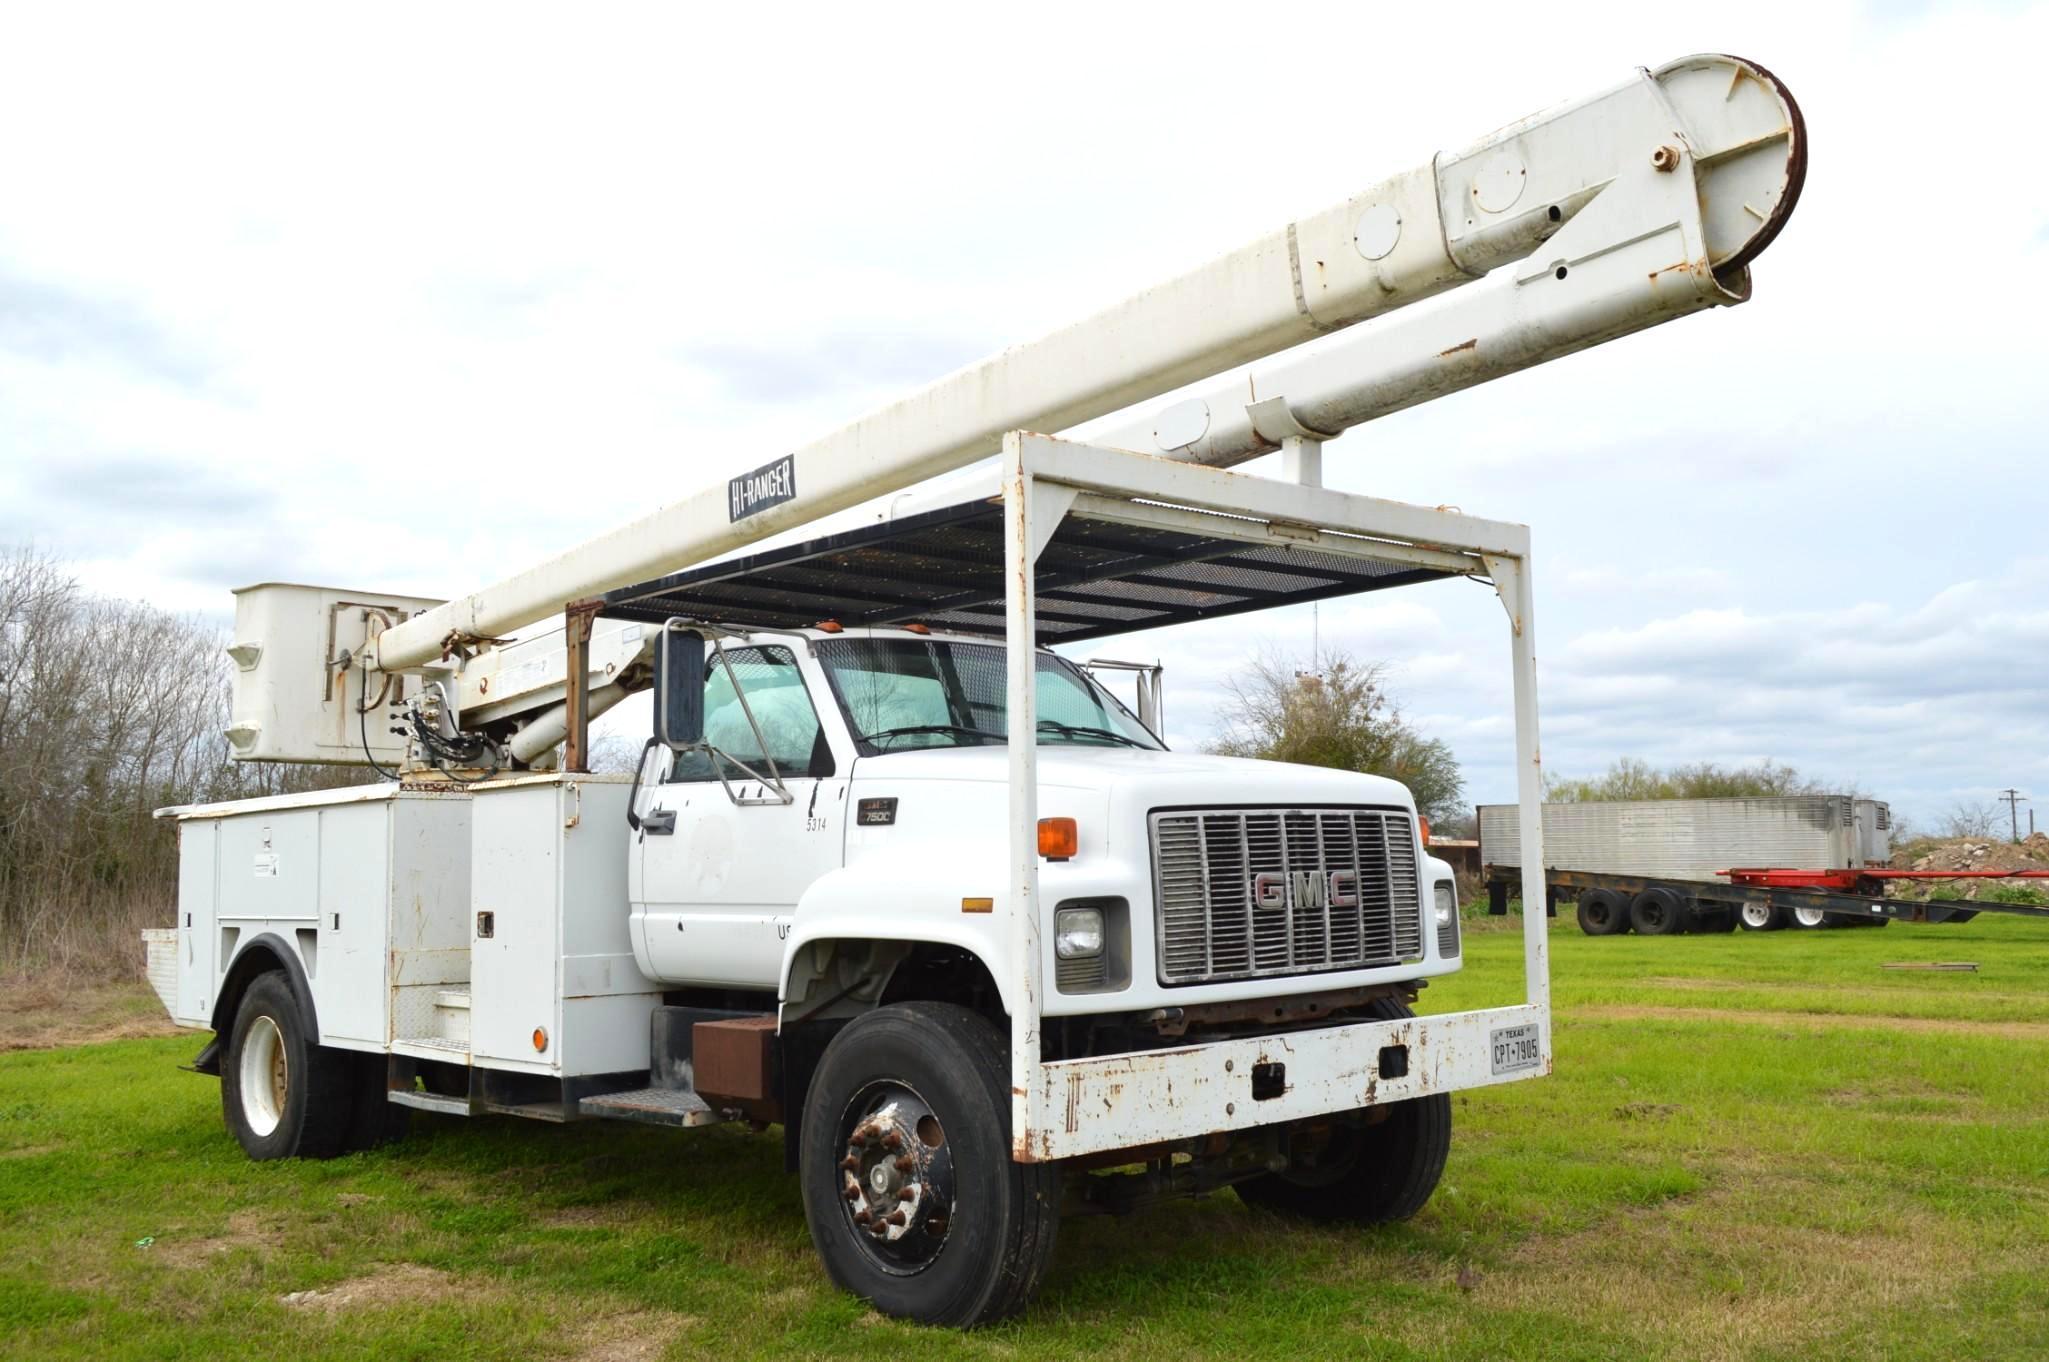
(1661, 867)
(894, 873)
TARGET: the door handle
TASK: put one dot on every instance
(658, 823)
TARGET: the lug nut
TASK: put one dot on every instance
(851, 1163)
(897, 1218)
(892, 1142)
(851, 1193)
(861, 1217)
(909, 1193)
(1665, 158)
(905, 1163)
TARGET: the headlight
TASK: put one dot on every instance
(1447, 918)
(1077, 933)
(1447, 904)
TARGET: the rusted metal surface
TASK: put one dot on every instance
(1089, 1106)
(577, 623)
(733, 1062)
(1281, 1011)
(1715, 893)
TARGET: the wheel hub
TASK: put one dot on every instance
(896, 1177)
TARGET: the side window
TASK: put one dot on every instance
(775, 693)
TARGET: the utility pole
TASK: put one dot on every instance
(2013, 811)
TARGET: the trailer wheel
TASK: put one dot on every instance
(284, 1096)
(913, 1199)
(1657, 912)
(1602, 913)
(1808, 919)
(1761, 917)
(1367, 1173)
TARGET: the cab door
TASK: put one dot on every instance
(717, 888)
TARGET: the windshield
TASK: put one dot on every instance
(900, 694)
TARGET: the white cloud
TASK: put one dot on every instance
(287, 297)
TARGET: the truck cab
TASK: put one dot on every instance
(844, 811)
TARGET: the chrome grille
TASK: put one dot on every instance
(1239, 897)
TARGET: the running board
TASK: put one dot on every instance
(678, 1107)
(431, 1101)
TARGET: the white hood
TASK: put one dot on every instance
(1191, 777)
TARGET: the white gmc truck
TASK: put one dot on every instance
(895, 873)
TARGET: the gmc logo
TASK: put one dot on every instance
(1306, 889)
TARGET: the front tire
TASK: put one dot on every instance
(1366, 1174)
(283, 1095)
(914, 1202)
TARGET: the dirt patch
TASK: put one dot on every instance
(246, 1230)
(392, 1284)
(1703, 1269)
(1816, 1020)
(637, 1336)
(47, 1012)
(609, 1216)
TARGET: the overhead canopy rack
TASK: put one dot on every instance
(944, 568)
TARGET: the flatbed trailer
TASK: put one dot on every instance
(1754, 899)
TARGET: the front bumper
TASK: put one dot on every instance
(1092, 1106)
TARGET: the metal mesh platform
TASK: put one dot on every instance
(945, 568)
(657, 1106)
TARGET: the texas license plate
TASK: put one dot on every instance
(1515, 1048)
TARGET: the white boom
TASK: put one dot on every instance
(1620, 211)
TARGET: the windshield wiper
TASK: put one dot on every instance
(912, 730)
(1082, 730)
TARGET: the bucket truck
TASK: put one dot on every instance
(894, 873)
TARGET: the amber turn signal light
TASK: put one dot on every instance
(1059, 839)
(1426, 828)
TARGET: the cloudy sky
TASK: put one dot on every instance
(406, 299)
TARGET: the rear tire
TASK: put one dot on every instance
(1657, 912)
(1602, 913)
(283, 1095)
(1807, 919)
(927, 1083)
(1370, 1174)
(1761, 917)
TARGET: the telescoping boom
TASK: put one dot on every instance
(1575, 226)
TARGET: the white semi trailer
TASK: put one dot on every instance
(893, 872)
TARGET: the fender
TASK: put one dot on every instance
(880, 899)
(248, 963)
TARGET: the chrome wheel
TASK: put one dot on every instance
(896, 1177)
(265, 1075)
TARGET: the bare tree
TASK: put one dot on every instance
(1972, 820)
(108, 710)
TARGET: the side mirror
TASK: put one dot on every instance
(679, 687)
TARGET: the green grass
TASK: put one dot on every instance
(1753, 1147)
